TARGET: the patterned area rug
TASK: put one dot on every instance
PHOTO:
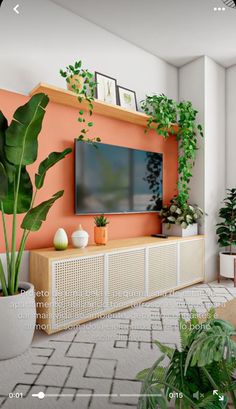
(94, 367)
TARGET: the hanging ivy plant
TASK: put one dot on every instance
(82, 82)
(165, 112)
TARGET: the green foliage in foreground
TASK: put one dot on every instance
(205, 362)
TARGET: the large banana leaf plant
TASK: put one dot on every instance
(18, 149)
(200, 374)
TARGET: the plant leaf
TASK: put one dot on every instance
(168, 351)
(26, 124)
(34, 218)
(47, 163)
(25, 188)
(3, 182)
(24, 195)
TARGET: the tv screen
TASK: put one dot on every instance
(112, 179)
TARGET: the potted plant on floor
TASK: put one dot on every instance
(100, 229)
(180, 220)
(18, 149)
(163, 113)
(199, 374)
(226, 231)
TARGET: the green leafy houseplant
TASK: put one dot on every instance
(81, 82)
(226, 230)
(18, 149)
(101, 221)
(205, 362)
(184, 215)
(165, 112)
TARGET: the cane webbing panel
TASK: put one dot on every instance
(77, 289)
(191, 261)
(126, 277)
(162, 268)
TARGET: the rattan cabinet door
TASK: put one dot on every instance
(126, 277)
(191, 261)
(77, 289)
(162, 268)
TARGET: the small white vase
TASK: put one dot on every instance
(80, 238)
(60, 240)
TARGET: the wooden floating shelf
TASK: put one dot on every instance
(69, 98)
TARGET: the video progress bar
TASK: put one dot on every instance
(42, 395)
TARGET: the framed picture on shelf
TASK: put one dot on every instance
(127, 98)
(106, 89)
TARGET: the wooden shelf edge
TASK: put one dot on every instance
(69, 98)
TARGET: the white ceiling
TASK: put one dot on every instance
(175, 30)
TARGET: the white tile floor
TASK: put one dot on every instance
(103, 357)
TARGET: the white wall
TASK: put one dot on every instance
(215, 163)
(203, 82)
(45, 37)
(230, 127)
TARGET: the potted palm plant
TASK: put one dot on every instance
(226, 231)
(100, 229)
(18, 149)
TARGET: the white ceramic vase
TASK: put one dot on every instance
(60, 240)
(17, 321)
(80, 238)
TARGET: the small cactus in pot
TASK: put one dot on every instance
(100, 230)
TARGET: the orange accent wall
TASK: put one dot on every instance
(60, 127)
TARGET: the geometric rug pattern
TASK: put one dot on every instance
(95, 365)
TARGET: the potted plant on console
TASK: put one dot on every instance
(226, 231)
(179, 217)
(180, 220)
(18, 149)
(100, 229)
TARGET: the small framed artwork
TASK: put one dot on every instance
(106, 89)
(127, 98)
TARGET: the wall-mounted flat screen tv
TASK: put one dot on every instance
(113, 179)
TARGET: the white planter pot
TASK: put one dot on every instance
(227, 264)
(17, 322)
(177, 230)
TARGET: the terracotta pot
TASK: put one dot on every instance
(76, 80)
(100, 235)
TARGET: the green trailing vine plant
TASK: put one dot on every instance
(81, 81)
(163, 113)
